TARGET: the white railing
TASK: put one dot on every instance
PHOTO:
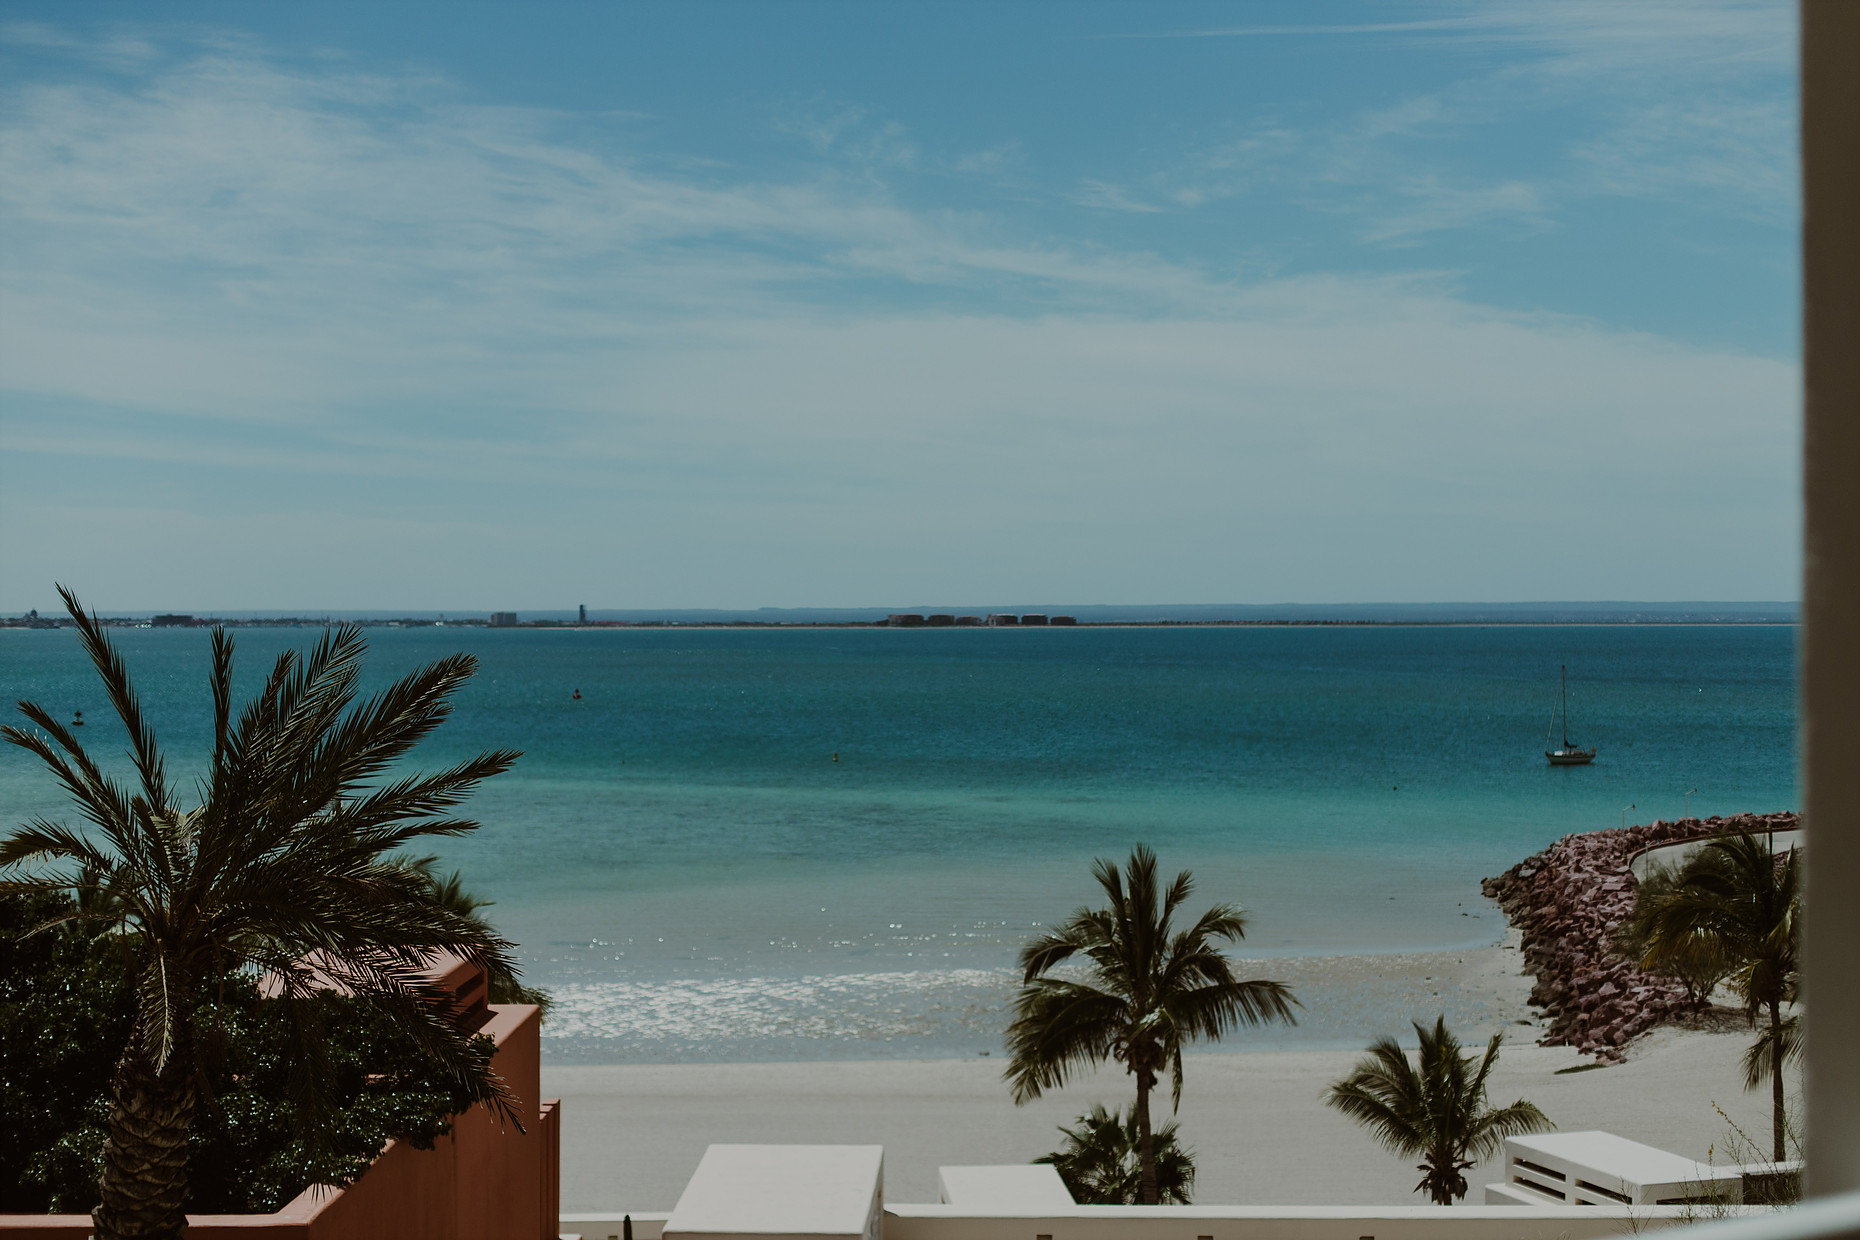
(1829, 1218)
(601, 1224)
(1819, 1218)
(926, 1222)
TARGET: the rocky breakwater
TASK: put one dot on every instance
(1567, 901)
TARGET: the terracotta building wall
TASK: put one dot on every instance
(485, 1181)
(499, 1170)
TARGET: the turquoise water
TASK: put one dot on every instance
(684, 861)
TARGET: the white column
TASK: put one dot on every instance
(1830, 650)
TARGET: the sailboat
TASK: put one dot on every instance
(1568, 755)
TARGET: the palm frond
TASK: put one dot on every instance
(1760, 1058)
(1223, 921)
(1476, 1085)
(1516, 1120)
(467, 1059)
(114, 673)
(1389, 1126)
(383, 729)
(1385, 1094)
(1211, 1011)
(426, 796)
(159, 1013)
(1045, 952)
(1058, 1027)
(219, 682)
(63, 919)
(40, 840)
(101, 799)
(1180, 888)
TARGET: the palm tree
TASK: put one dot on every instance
(1737, 904)
(1699, 971)
(1436, 1110)
(1100, 1167)
(288, 867)
(1147, 989)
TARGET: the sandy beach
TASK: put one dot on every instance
(633, 1133)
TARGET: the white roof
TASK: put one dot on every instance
(1617, 1156)
(805, 1190)
(1012, 1187)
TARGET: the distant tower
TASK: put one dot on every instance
(584, 614)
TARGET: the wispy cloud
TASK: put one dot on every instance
(116, 51)
(1614, 74)
(342, 303)
(1340, 28)
(222, 228)
(851, 133)
(1586, 33)
(240, 179)
(1110, 198)
(1738, 158)
(1001, 159)
(1429, 206)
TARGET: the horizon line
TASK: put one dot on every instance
(894, 609)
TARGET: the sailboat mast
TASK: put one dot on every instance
(1565, 670)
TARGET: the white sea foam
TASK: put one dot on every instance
(924, 1009)
(933, 1013)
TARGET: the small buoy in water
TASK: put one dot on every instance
(576, 695)
(77, 719)
(836, 755)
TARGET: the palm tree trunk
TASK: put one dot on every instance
(144, 1184)
(1146, 1142)
(1779, 1122)
(1440, 1179)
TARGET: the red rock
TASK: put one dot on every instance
(1567, 901)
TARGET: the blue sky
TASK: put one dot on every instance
(734, 305)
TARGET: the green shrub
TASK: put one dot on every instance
(1099, 1165)
(65, 1014)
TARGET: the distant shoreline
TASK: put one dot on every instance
(302, 622)
(1447, 614)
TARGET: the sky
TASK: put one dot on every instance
(474, 305)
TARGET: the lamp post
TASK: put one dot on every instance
(1690, 793)
(1624, 810)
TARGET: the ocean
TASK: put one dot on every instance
(748, 844)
